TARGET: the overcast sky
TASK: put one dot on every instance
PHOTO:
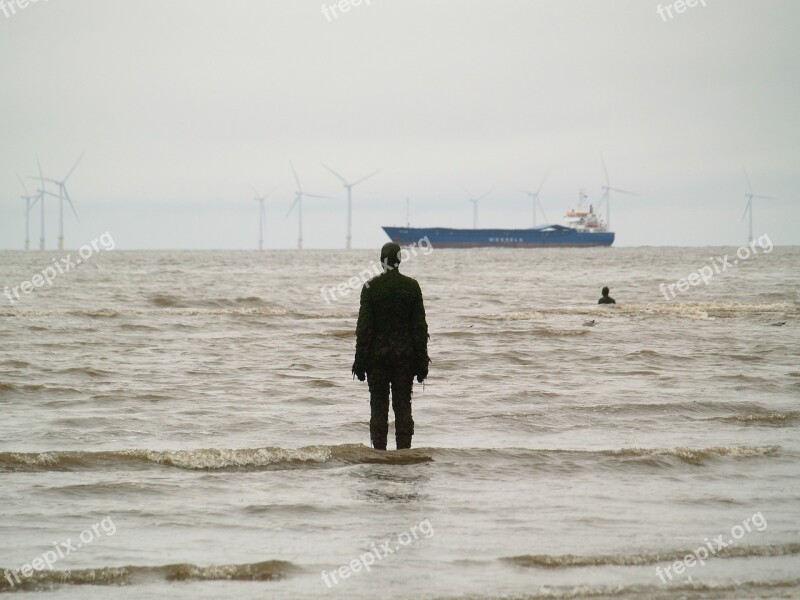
(181, 104)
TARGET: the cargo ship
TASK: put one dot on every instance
(584, 228)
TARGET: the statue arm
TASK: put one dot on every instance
(420, 335)
(364, 331)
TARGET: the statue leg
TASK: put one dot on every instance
(402, 385)
(378, 380)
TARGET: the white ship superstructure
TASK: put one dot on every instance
(586, 221)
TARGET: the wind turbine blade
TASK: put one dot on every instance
(747, 177)
(539, 202)
(74, 167)
(272, 191)
(541, 184)
(23, 184)
(255, 191)
(296, 178)
(484, 196)
(291, 208)
(746, 208)
(469, 194)
(527, 193)
(367, 177)
(765, 197)
(318, 196)
(619, 191)
(342, 179)
(603, 160)
(41, 176)
(71, 205)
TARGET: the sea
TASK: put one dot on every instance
(185, 424)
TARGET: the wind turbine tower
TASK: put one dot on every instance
(748, 208)
(28, 206)
(534, 196)
(62, 195)
(349, 187)
(475, 201)
(42, 191)
(298, 202)
(607, 189)
(262, 214)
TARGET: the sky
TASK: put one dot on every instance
(182, 106)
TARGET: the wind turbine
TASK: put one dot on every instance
(535, 198)
(262, 214)
(42, 191)
(607, 189)
(298, 201)
(475, 201)
(28, 206)
(349, 187)
(749, 206)
(62, 195)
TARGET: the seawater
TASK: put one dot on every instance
(204, 402)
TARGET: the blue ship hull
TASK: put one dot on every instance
(536, 237)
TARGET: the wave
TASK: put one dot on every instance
(249, 300)
(209, 458)
(550, 561)
(787, 418)
(753, 414)
(94, 488)
(168, 300)
(646, 353)
(21, 364)
(86, 371)
(697, 455)
(553, 332)
(164, 300)
(201, 310)
(315, 456)
(673, 408)
(137, 327)
(172, 305)
(262, 571)
(781, 588)
(340, 333)
(7, 386)
(698, 311)
(100, 313)
(508, 414)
